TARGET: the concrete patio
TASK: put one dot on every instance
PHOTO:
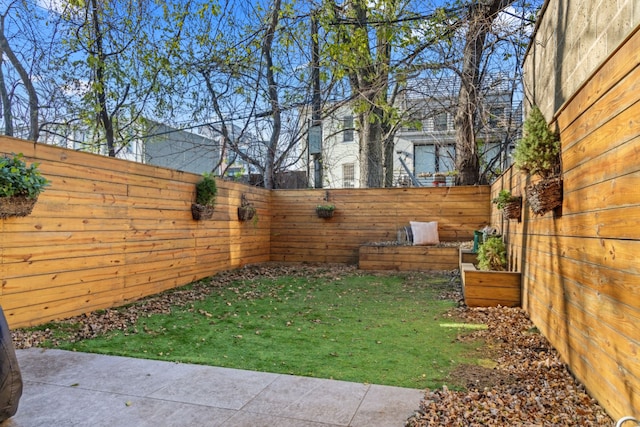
(64, 388)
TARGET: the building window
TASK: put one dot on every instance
(431, 158)
(440, 122)
(347, 129)
(348, 175)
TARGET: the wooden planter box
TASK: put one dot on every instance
(490, 288)
(407, 258)
(467, 255)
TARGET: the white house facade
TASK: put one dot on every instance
(424, 151)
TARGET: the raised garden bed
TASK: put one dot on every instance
(489, 288)
(408, 258)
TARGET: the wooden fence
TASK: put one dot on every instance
(108, 231)
(369, 215)
(581, 274)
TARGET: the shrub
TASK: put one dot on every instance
(206, 190)
(18, 179)
(492, 255)
(538, 152)
(504, 198)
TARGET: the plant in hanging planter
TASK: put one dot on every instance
(538, 153)
(492, 255)
(246, 211)
(206, 192)
(20, 186)
(325, 211)
(511, 205)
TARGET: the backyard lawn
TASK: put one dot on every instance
(480, 366)
(327, 322)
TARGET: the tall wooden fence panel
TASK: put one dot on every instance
(108, 231)
(581, 274)
(369, 215)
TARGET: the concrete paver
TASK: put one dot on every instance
(63, 388)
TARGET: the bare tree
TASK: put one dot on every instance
(363, 54)
(5, 49)
(253, 69)
(480, 17)
(379, 46)
(118, 58)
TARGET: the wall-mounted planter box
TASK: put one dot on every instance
(16, 206)
(407, 258)
(490, 288)
(325, 211)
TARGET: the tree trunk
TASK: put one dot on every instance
(371, 153)
(389, 145)
(34, 128)
(480, 19)
(103, 113)
(267, 45)
(6, 103)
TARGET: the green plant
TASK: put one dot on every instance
(325, 211)
(206, 190)
(329, 208)
(18, 179)
(504, 198)
(492, 255)
(538, 152)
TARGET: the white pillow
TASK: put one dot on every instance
(425, 233)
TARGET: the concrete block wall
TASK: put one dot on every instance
(573, 39)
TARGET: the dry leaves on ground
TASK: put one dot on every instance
(527, 386)
(99, 322)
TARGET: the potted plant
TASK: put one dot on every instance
(492, 255)
(325, 211)
(538, 153)
(488, 283)
(511, 205)
(20, 186)
(246, 211)
(206, 192)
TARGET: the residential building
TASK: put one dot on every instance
(425, 144)
(156, 144)
(81, 139)
(178, 149)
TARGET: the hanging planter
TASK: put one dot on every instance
(538, 153)
(20, 186)
(511, 205)
(246, 211)
(545, 195)
(201, 212)
(206, 191)
(325, 211)
(513, 210)
(16, 206)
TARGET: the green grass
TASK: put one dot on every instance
(382, 329)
